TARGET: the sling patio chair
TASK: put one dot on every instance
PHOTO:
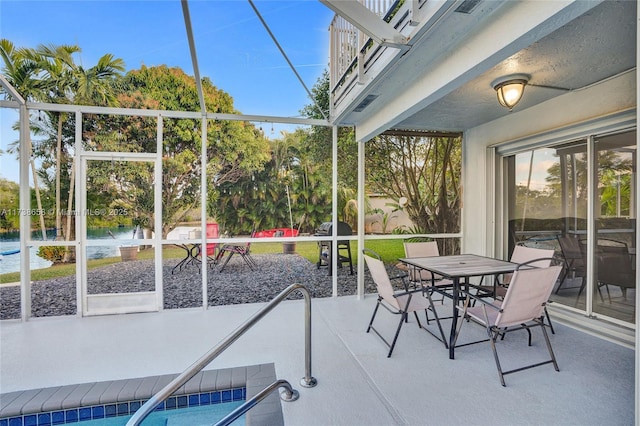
(523, 306)
(540, 258)
(211, 252)
(421, 277)
(573, 259)
(613, 267)
(241, 249)
(399, 302)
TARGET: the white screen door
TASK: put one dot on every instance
(116, 251)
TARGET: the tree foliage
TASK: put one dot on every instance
(425, 170)
(234, 149)
(252, 182)
(291, 181)
(320, 148)
(9, 205)
(48, 73)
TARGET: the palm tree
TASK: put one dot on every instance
(56, 63)
(22, 72)
(49, 74)
(67, 82)
(93, 86)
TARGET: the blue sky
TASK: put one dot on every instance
(234, 49)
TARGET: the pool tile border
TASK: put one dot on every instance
(124, 397)
(102, 411)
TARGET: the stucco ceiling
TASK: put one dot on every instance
(593, 47)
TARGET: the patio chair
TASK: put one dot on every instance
(523, 306)
(212, 231)
(421, 277)
(572, 257)
(399, 302)
(540, 258)
(613, 267)
(244, 250)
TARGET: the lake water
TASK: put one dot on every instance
(11, 241)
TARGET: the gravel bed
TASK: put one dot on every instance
(235, 284)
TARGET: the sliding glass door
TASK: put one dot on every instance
(614, 290)
(549, 190)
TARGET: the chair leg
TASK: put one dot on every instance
(582, 285)
(528, 332)
(546, 313)
(375, 311)
(418, 319)
(549, 348)
(226, 261)
(493, 335)
(435, 314)
(608, 292)
(395, 338)
(247, 260)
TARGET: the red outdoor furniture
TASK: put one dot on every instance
(277, 232)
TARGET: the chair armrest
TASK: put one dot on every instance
(399, 277)
(408, 292)
(480, 299)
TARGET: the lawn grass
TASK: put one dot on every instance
(63, 270)
(389, 250)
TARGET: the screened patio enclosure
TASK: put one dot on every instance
(139, 171)
(591, 194)
(559, 169)
(139, 168)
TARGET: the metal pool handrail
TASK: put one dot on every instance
(288, 394)
(307, 381)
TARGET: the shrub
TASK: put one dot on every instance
(54, 254)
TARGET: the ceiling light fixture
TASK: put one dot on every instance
(510, 89)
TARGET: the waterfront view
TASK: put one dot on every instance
(10, 241)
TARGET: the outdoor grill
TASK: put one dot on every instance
(326, 228)
(324, 247)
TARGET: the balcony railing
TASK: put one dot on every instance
(351, 51)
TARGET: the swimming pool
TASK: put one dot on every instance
(207, 397)
(192, 416)
(193, 409)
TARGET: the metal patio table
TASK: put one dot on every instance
(456, 267)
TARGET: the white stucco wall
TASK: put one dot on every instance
(397, 219)
(615, 95)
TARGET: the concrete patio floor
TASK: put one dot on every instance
(357, 383)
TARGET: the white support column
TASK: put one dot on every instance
(203, 212)
(334, 212)
(157, 215)
(361, 218)
(637, 209)
(25, 219)
(80, 189)
(591, 231)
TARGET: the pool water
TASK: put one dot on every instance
(10, 241)
(192, 416)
